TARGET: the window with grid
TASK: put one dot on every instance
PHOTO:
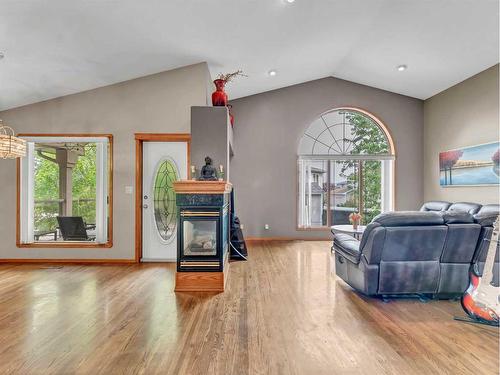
(345, 165)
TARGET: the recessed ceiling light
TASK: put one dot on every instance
(402, 68)
(290, 1)
(272, 73)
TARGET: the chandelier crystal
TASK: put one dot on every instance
(11, 147)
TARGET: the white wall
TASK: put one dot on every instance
(157, 103)
(464, 115)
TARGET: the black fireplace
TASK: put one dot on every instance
(203, 231)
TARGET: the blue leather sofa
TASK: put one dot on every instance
(418, 252)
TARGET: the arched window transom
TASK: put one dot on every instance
(345, 132)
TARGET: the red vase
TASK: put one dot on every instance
(219, 96)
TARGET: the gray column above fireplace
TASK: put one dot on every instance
(211, 135)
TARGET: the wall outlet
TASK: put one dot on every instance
(266, 226)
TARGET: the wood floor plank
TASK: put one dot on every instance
(284, 312)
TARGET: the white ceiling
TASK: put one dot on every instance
(58, 47)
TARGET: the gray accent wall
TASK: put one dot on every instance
(160, 103)
(466, 114)
(267, 130)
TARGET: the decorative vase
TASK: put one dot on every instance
(219, 96)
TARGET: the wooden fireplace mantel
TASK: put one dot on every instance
(202, 187)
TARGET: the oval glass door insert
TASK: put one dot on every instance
(165, 209)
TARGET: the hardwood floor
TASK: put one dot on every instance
(284, 312)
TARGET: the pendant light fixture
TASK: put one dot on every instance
(11, 147)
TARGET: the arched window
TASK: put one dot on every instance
(345, 165)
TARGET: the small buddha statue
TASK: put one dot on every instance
(208, 172)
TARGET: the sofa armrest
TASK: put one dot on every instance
(372, 243)
(485, 220)
(347, 246)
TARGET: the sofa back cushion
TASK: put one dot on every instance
(404, 236)
(409, 218)
(435, 206)
(416, 243)
(410, 259)
(489, 209)
(487, 215)
(472, 208)
(457, 217)
(461, 242)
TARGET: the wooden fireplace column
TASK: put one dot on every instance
(203, 200)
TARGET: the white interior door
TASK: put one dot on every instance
(162, 164)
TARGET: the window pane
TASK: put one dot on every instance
(312, 193)
(47, 202)
(64, 186)
(84, 185)
(165, 209)
(344, 190)
(372, 192)
(365, 137)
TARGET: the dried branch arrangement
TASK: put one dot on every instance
(229, 77)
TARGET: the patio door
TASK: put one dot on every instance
(163, 163)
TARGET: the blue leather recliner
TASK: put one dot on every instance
(418, 252)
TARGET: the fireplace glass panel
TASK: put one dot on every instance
(200, 237)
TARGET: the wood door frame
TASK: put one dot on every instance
(140, 138)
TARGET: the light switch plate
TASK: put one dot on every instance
(129, 189)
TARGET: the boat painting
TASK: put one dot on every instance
(470, 166)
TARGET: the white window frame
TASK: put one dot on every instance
(103, 194)
(313, 141)
(386, 191)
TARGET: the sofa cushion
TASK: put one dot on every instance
(409, 218)
(461, 241)
(487, 215)
(471, 208)
(489, 209)
(435, 206)
(485, 220)
(413, 243)
(457, 217)
(348, 246)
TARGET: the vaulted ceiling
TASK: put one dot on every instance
(58, 47)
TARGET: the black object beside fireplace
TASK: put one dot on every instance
(238, 248)
(203, 230)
